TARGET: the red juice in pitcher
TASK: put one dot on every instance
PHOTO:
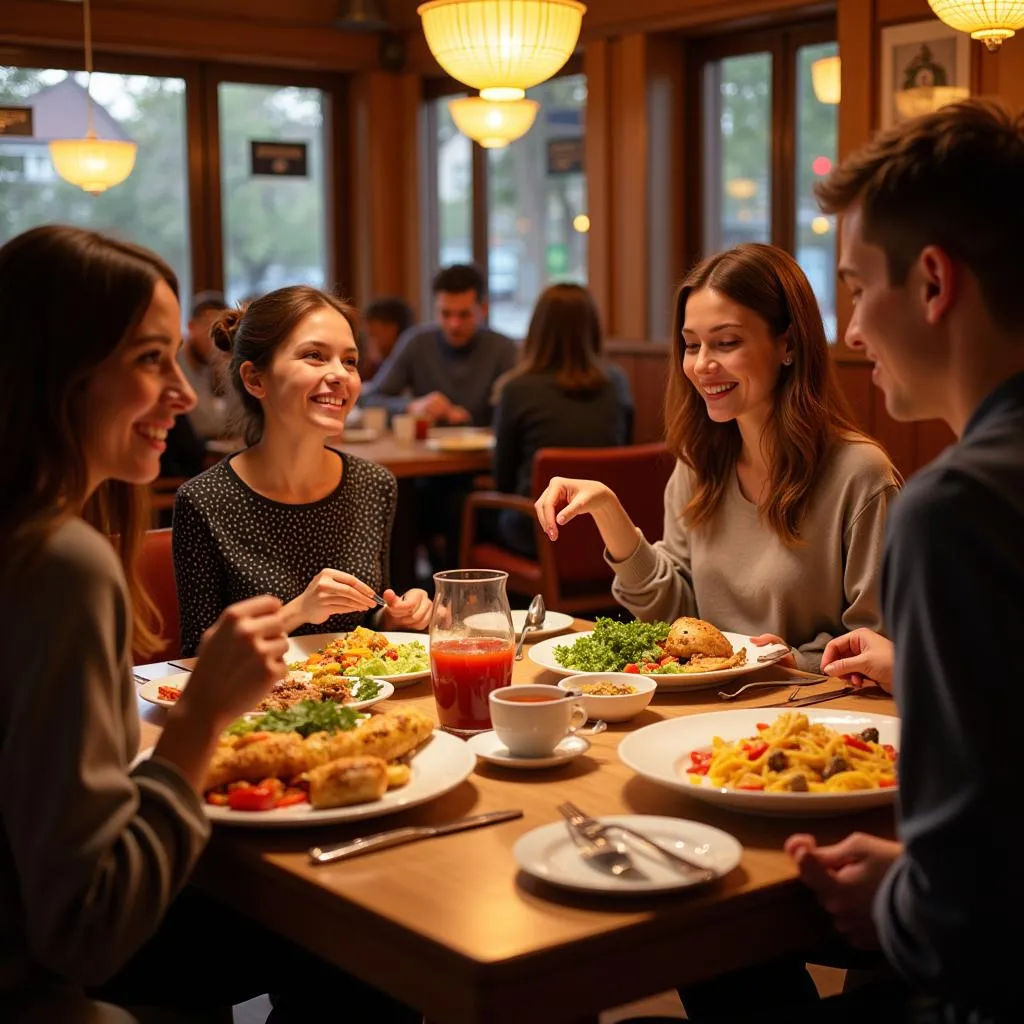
(463, 673)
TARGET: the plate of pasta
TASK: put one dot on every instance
(773, 760)
(397, 658)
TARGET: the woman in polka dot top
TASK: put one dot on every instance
(288, 515)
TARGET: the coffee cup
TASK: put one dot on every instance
(375, 418)
(404, 427)
(532, 720)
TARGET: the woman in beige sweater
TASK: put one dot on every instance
(95, 852)
(775, 513)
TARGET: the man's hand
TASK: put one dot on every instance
(434, 406)
(862, 656)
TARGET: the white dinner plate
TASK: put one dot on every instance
(444, 763)
(554, 622)
(548, 853)
(300, 647)
(151, 691)
(543, 654)
(461, 443)
(661, 753)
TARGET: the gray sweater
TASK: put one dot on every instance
(953, 593)
(737, 573)
(91, 851)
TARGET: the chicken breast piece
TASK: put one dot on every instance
(347, 780)
(688, 636)
(386, 736)
(256, 756)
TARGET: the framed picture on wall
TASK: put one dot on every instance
(925, 65)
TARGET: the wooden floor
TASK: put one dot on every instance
(828, 979)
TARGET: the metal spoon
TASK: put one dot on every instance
(534, 618)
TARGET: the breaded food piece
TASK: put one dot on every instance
(255, 756)
(704, 663)
(387, 736)
(347, 780)
(688, 636)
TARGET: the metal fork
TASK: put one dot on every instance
(597, 848)
(596, 831)
(810, 681)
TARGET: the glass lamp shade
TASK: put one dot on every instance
(926, 98)
(826, 79)
(93, 164)
(501, 47)
(493, 123)
(991, 21)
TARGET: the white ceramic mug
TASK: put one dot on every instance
(404, 427)
(532, 720)
(375, 418)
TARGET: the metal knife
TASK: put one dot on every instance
(817, 698)
(397, 836)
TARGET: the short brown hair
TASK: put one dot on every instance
(953, 178)
(254, 333)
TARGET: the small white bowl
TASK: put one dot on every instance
(613, 707)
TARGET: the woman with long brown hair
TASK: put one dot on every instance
(295, 372)
(561, 393)
(775, 513)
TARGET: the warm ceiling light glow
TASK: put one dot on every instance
(581, 222)
(820, 225)
(493, 123)
(741, 188)
(826, 79)
(926, 98)
(991, 21)
(92, 164)
(501, 47)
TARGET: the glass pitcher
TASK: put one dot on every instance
(471, 646)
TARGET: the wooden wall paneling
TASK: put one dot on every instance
(646, 365)
(617, 17)
(895, 12)
(629, 159)
(597, 147)
(933, 436)
(899, 439)
(855, 381)
(666, 185)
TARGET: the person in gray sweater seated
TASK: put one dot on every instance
(774, 515)
(97, 847)
(561, 393)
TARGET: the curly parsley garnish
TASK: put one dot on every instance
(613, 645)
(305, 718)
(365, 688)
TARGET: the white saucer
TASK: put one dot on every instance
(490, 748)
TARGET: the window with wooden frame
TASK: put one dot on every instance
(763, 138)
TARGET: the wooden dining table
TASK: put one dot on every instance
(451, 926)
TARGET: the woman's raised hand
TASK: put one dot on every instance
(564, 499)
(240, 657)
(411, 610)
(860, 656)
(331, 592)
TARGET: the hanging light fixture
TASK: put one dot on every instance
(826, 79)
(991, 21)
(493, 123)
(501, 47)
(91, 163)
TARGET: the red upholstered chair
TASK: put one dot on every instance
(156, 570)
(572, 573)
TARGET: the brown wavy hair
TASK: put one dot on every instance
(809, 413)
(565, 336)
(69, 298)
(254, 331)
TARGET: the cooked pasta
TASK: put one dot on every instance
(792, 755)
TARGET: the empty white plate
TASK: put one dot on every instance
(554, 622)
(490, 748)
(549, 853)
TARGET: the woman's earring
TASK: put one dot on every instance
(788, 361)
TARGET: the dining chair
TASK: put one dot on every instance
(571, 573)
(156, 570)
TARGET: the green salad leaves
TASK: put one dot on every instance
(305, 718)
(613, 645)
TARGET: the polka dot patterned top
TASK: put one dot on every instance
(231, 543)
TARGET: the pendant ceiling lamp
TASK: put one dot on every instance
(493, 123)
(991, 21)
(91, 163)
(826, 79)
(501, 47)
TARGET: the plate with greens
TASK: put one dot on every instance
(395, 657)
(636, 646)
